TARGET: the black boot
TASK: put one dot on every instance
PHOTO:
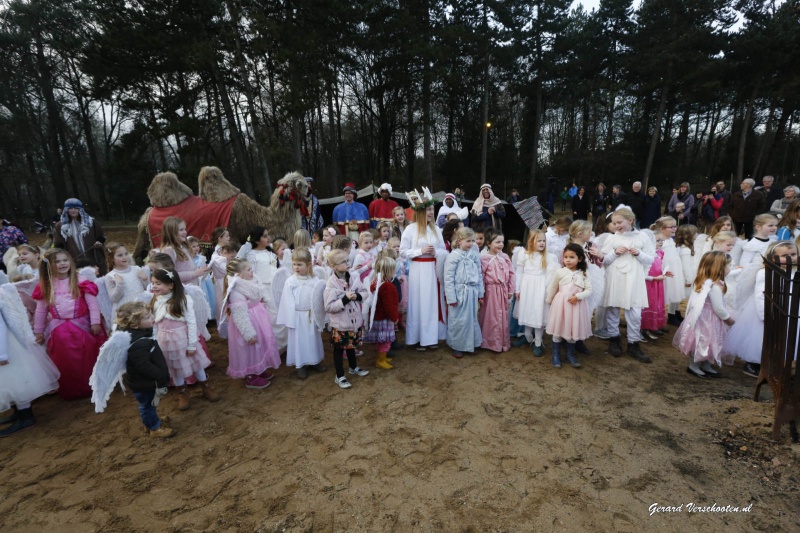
(580, 347)
(673, 320)
(24, 420)
(12, 417)
(614, 347)
(635, 351)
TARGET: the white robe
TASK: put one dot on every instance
(674, 290)
(625, 283)
(295, 317)
(128, 291)
(265, 264)
(425, 295)
(531, 284)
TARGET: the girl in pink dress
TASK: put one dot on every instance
(654, 316)
(569, 319)
(252, 349)
(176, 333)
(68, 318)
(702, 333)
(498, 283)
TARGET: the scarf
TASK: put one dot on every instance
(66, 225)
(482, 202)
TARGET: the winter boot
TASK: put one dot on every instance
(556, 354)
(614, 347)
(25, 419)
(381, 361)
(573, 361)
(538, 351)
(580, 347)
(183, 399)
(208, 391)
(635, 351)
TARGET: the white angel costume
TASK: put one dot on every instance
(29, 373)
(301, 311)
(127, 290)
(265, 265)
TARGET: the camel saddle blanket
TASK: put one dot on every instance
(201, 217)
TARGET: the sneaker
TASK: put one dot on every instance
(457, 355)
(519, 341)
(342, 382)
(602, 334)
(302, 373)
(751, 370)
(266, 374)
(650, 335)
(162, 433)
(256, 382)
(538, 351)
(657, 332)
(421, 348)
(359, 353)
(358, 371)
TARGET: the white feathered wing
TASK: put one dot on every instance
(109, 368)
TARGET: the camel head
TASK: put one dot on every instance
(291, 193)
(166, 190)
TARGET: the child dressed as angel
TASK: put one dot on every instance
(301, 310)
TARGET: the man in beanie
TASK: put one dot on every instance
(380, 209)
(351, 217)
(80, 235)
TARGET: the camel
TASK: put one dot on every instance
(219, 204)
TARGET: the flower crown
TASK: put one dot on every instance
(420, 202)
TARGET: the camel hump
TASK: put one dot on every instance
(166, 190)
(213, 186)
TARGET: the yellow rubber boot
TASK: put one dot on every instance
(381, 361)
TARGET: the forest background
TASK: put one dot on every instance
(97, 96)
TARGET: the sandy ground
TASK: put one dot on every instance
(492, 442)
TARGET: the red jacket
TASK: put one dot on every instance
(387, 306)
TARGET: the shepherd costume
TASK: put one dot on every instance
(313, 220)
(481, 218)
(78, 237)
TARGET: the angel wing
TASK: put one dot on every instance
(103, 300)
(319, 273)
(25, 290)
(11, 261)
(16, 315)
(650, 236)
(109, 368)
(202, 311)
(373, 300)
(463, 213)
(3, 278)
(743, 286)
(278, 282)
(318, 304)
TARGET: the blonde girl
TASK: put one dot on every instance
(684, 241)
(364, 260)
(29, 257)
(557, 236)
(300, 241)
(533, 271)
(464, 291)
(67, 318)
(764, 228)
(252, 349)
(174, 243)
(124, 281)
(385, 302)
(701, 337)
(674, 289)
(423, 246)
(399, 223)
(628, 255)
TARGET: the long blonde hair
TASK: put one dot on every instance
(421, 216)
(532, 242)
(47, 270)
(169, 237)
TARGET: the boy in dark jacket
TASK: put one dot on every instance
(146, 374)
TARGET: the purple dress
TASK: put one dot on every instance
(704, 338)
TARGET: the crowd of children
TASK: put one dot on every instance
(472, 290)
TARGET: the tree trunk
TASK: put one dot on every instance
(765, 140)
(656, 133)
(743, 136)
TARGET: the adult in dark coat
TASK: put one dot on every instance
(745, 205)
(636, 200)
(651, 208)
(770, 192)
(600, 201)
(617, 197)
(80, 235)
(487, 211)
(581, 205)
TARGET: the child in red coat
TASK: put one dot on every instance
(386, 310)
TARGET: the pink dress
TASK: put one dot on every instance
(173, 334)
(498, 283)
(704, 339)
(185, 269)
(249, 318)
(70, 343)
(571, 322)
(654, 316)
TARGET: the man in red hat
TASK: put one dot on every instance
(380, 209)
(351, 217)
